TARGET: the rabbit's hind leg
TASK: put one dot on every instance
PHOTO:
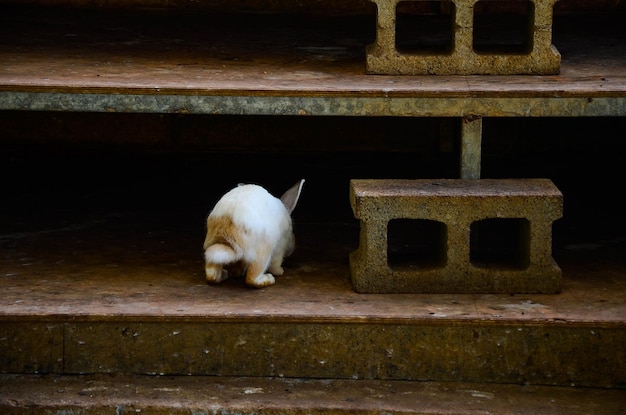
(276, 265)
(215, 256)
(257, 277)
(215, 273)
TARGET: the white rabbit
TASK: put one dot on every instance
(250, 231)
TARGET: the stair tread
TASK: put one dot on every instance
(127, 269)
(140, 54)
(187, 394)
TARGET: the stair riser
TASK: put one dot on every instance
(466, 351)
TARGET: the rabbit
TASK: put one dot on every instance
(250, 231)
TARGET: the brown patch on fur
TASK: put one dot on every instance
(220, 230)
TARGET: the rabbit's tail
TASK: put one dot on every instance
(219, 253)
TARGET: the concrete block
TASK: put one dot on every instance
(462, 214)
(534, 55)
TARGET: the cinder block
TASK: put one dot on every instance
(535, 55)
(520, 212)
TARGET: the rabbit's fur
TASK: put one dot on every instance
(250, 231)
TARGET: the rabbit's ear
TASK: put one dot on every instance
(291, 196)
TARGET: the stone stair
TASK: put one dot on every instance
(115, 317)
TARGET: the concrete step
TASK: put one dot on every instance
(128, 394)
(128, 295)
(107, 277)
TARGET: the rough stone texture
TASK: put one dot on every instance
(517, 354)
(31, 347)
(542, 58)
(457, 204)
(184, 395)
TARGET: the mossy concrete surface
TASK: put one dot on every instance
(421, 350)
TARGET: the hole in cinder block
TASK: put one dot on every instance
(502, 243)
(425, 27)
(503, 27)
(416, 243)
